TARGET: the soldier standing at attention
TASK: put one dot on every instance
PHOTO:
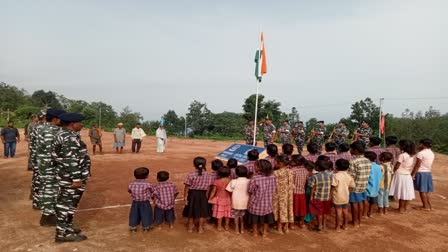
(249, 133)
(35, 181)
(285, 133)
(299, 136)
(268, 132)
(73, 165)
(340, 134)
(29, 128)
(47, 169)
(319, 137)
(364, 133)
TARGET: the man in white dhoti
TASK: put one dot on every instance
(161, 139)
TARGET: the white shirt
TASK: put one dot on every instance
(427, 158)
(406, 164)
(138, 133)
(240, 197)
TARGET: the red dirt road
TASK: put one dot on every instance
(107, 229)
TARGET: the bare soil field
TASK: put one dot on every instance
(103, 212)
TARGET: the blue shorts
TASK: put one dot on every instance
(357, 197)
(423, 182)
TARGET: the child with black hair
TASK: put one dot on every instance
(252, 156)
(341, 185)
(288, 149)
(216, 164)
(373, 185)
(330, 151)
(220, 198)
(261, 190)
(325, 158)
(141, 191)
(422, 173)
(374, 145)
(320, 203)
(232, 164)
(300, 177)
(313, 150)
(402, 187)
(391, 146)
(240, 197)
(344, 152)
(310, 167)
(164, 197)
(197, 184)
(272, 151)
(283, 196)
(387, 171)
(359, 169)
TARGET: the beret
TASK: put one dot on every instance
(71, 117)
(55, 112)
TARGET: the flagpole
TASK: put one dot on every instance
(255, 118)
(379, 125)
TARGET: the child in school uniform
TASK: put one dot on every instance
(422, 173)
(232, 164)
(300, 177)
(220, 198)
(252, 157)
(164, 197)
(391, 146)
(141, 191)
(272, 151)
(261, 191)
(341, 184)
(374, 144)
(387, 172)
(344, 152)
(330, 151)
(240, 197)
(313, 150)
(373, 185)
(197, 185)
(320, 203)
(283, 196)
(288, 149)
(310, 167)
(216, 164)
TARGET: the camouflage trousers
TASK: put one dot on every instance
(267, 142)
(250, 141)
(300, 143)
(48, 191)
(319, 144)
(286, 140)
(67, 201)
(35, 188)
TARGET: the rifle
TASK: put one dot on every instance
(330, 138)
(355, 135)
(313, 134)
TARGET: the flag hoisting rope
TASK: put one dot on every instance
(260, 69)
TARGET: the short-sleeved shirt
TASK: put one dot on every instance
(341, 182)
(10, 134)
(164, 195)
(199, 182)
(140, 190)
(345, 155)
(240, 195)
(426, 157)
(387, 170)
(373, 186)
(322, 186)
(271, 160)
(300, 176)
(120, 134)
(311, 157)
(261, 190)
(395, 153)
(360, 170)
(406, 164)
(333, 157)
(250, 165)
(377, 150)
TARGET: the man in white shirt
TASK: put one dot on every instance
(137, 137)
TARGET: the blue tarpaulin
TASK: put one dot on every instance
(238, 152)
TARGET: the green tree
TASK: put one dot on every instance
(293, 117)
(249, 107)
(41, 98)
(11, 97)
(173, 124)
(199, 118)
(129, 118)
(269, 108)
(366, 110)
(310, 125)
(228, 124)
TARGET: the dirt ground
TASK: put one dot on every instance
(107, 228)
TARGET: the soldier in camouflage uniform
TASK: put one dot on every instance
(364, 133)
(340, 134)
(268, 132)
(249, 133)
(35, 182)
(299, 136)
(46, 166)
(285, 133)
(73, 170)
(29, 130)
(319, 137)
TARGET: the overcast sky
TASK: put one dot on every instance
(158, 55)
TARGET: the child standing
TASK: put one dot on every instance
(313, 150)
(359, 169)
(387, 171)
(320, 184)
(164, 196)
(252, 156)
(402, 187)
(341, 184)
(232, 164)
(240, 197)
(141, 210)
(220, 198)
(261, 190)
(216, 164)
(197, 184)
(422, 173)
(330, 151)
(373, 185)
(300, 177)
(391, 146)
(272, 151)
(344, 152)
(283, 199)
(374, 144)
(288, 149)
(310, 167)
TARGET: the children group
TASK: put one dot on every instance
(282, 191)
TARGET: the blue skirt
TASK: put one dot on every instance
(423, 182)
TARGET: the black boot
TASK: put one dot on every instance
(71, 238)
(48, 220)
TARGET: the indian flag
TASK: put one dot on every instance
(260, 60)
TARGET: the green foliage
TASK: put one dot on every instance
(23, 112)
(129, 118)
(173, 124)
(269, 108)
(366, 110)
(45, 99)
(11, 97)
(199, 118)
(228, 124)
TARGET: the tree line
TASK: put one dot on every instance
(201, 122)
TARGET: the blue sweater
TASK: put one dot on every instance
(373, 186)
